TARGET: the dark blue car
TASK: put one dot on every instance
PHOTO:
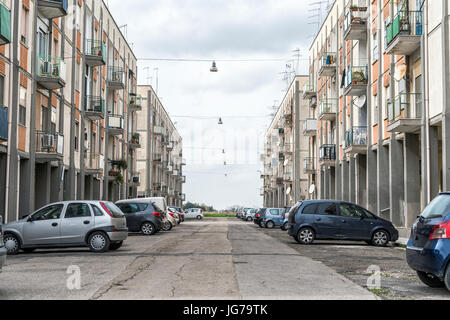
(338, 220)
(428, 250)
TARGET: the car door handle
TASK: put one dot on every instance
(54, 224)
(318, 219)
(343, 221)
(86, 222)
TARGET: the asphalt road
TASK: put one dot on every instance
(201, 260)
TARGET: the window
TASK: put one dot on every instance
(44, 118)
(53, 120)
(310, 209)
(77, 210)
(24, 26)
(49, 213)
(274, 212)
(77, 129)
(97, 211)
(375, 51)
(22, 115)
(350, 210)
(327, 209)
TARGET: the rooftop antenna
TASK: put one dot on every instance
(125, 26)
(297, 55)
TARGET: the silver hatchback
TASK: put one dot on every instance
(99, 225)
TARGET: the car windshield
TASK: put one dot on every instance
(438, 208)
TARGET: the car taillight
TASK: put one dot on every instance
(157, 214)
(171, 214)
(441, 231)
(258, 215)
(106, 209)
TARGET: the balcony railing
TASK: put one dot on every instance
(355, 22)
(158, 130)
(5, 23)
(135, 102)
(115, 126)
(356, 80)
(310, 127)
(51, 144)
(405, 111)
(52, 9)
(116, 78)
(51, 72)
(157, 157)
(328, 152)
(94, 161)
(94, 108)
(95, 53)
(309, 91)
(407, 24)
(135, 141)
(309, 165)
(3, 124)
(357, 136)
(328, 109)
(327, 64)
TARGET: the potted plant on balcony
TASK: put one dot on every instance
(358, 77)
(122, 164)
(113, 172)
(135, 138)
(119, 178)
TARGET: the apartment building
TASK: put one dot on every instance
(379, 87)
(67, 83)
(160, 159)
(286, 149)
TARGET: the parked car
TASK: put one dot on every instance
(285, 223)
(273, 218)
(180, 212)
(174, 214)
(428, 249)
(259, 217)
(99, 225)
(249, 215)
(142, 216)
(193, 214)
(168, 221)
(3, 251)
(338, 220)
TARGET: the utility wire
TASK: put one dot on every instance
(217, 60)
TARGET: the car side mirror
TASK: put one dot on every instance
(30, 219)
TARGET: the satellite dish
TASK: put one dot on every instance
(360, 102)
(288, 191)
(312, 189)
(400, 72)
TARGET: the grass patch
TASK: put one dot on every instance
(380, 292)
(219, 215)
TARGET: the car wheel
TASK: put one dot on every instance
(148, 229)
(305, 236)
(249, 219)
(447, 278)
(380, 238)
(199, 217)
(167, 226)
(285, 226)
(12, 244)
(430, 280)
(98, 242)
(270, 225)
(261, 224)
(115, 246)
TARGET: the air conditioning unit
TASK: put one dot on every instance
(47, 141)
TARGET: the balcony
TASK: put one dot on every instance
(115, 125)
(310, 127)
(51, 72)
(309, 166)
(94, 108)
(135, 141)
(356, 80)
(183, 179)
(135, 180)
(328, 109)
(328, 155)
(94, 163)
(356, 140)
(404, 32)
(309, 91)
(288, 148)
(52, 9)
(49, 147)
(5, 23)
(327, 64)
(157, 157)
(313, 102)
(175, 172)
(287, 177)
(405, 113)
(170, 146)
(355, 22)
(170, 168)
(281, 131)
(116, 78)
(158, 130)
(287, 120)
(183, 197)
(183, 162)
(3, 124)
(95, 53)
(135, 103)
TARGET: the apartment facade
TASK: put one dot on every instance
(160, 159)
(379, 87)
(286, 150)
(68, 86)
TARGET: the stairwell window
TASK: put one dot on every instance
(77, 133)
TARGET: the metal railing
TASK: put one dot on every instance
(96, 48)
(310, 125)
(3, 124)
(51, 67)
(308, 88)
(328, 59)
(356, 75)
(136, 99)
(5, 23)
(115, 121)
(309, 164)
(328, 106)
(356, 136)
(47, 142)
(116, 75)
(94, 104)
(404, 106)
(405, 22)
(328, 152)
(356, 13)
(94, 161)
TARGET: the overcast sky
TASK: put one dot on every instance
(242, 93)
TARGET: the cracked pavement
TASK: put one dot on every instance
(201, 260)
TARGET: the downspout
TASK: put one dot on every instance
(426, 147)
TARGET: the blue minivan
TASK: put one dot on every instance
(338, 220)
(428, 250)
